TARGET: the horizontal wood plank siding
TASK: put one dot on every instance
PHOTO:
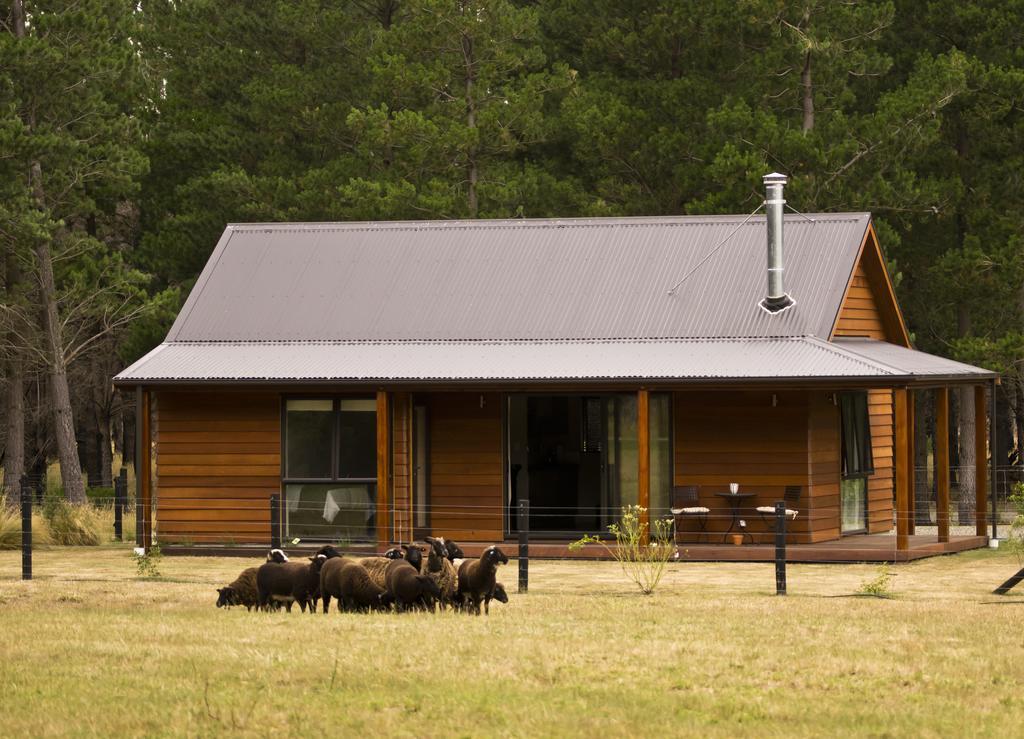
(740, 436)
(466, 481)
(881, 483)
(218, 462)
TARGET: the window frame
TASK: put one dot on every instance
(335, 440)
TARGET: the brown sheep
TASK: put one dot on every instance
(242, 592)
(377, 566)
(477, 579)
(288, 582)
(349, 582)
(408, 588)
(439, 568)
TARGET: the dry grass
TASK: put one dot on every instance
(90, 649)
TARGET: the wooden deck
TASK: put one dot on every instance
(870, 548)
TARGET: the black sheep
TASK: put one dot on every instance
(477, 578)
(407, 587)
(350, 583)
(242, 592)
(499, 593)
(454, 550)
(289, 582)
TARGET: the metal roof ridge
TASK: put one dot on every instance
(572, 221)
(482, 342)
(857, 357)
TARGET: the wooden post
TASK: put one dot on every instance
(911, 469)
(144, 454)
(980, 460)
(780, 547)
(942, 461)
(383, 469)
(902, 493)
(643, 447)
(523, 524)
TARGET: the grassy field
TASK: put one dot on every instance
(88, 648)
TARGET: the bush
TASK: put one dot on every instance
(75, 525)
(1015, 539)
(642, 557)
(102, 497)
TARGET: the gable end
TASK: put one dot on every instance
(869, 308)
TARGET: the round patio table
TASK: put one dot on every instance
(735, 502)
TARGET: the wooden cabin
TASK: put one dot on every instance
(388, 381)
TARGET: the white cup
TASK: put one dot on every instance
(734, 487)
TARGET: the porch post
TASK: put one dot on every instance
(643, 444)
(901, 462)
(980, 460)
(942, 461)
(383, 468)
(911, 457)
(143, 474)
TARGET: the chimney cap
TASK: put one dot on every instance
(775, 178)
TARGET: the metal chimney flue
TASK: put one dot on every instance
(774, 204)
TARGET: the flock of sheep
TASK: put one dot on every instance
(403, 579)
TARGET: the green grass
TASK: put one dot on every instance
(88, 648)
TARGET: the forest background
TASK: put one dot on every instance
(132, 132)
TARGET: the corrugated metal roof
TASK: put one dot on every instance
(517, 279)
(510, 361)
(909, 361)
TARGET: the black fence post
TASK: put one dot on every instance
(523, 524)
(780, 548)
(120, 498)
(275, 521)
(26, 529)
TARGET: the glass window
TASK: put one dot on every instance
(337, 512)
(333, 441)
(357, 439)
(856, 435)
(308, 433)
(852, 499)
(661, 453)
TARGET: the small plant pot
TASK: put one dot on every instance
(737, 539)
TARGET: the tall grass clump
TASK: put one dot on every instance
(642, 554)
(74, 525)
(10, 528)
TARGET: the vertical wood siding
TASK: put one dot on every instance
(218, 462)
(466, 481)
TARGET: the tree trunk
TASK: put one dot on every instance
(924, 421)
(14, 454)
(60, 397)
(472, 169)
(63, 418)
(808, 93)
(967, 471)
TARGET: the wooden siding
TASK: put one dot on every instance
(466, 481)
(218, 462)
(860, 314)
(824, 467)
(740, 436)
(401, 465)
(880, 484)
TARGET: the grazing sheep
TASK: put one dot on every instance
(408, 588)
(242, 592)
(288, 582)
(328, 551)
(377, 566)
(277, 555)
(349, 582)
(499, 593)
(477, 578)
(439, 568)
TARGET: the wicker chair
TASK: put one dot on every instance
(686, 504)
(767, 512)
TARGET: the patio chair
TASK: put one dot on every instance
(767, 512)
(686, 504)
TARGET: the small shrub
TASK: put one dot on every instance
(642, 557)
(880, 586)
(148, 564)
(100, 496)
(74, 525)
(1015, 537)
